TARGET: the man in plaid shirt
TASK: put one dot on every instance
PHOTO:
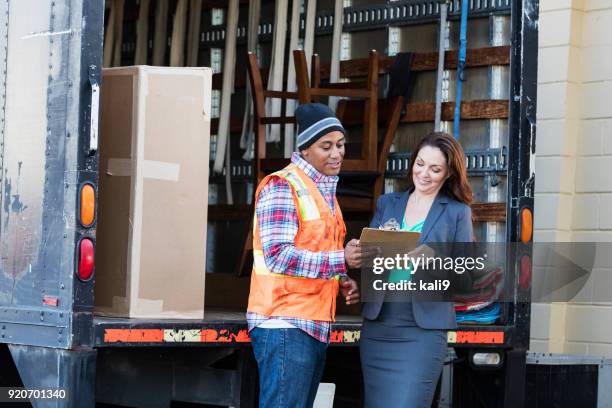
(290, 351)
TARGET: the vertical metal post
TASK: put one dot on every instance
(441, 50)
(522, 139)
(515, 372)
(498, 89)
(4, 29)
(334, 69)
(461, 66)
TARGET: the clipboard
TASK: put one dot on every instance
(379, 236)
(389, 243)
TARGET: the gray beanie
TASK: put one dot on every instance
(315, 120)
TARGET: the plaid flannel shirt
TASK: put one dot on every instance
(278, 225)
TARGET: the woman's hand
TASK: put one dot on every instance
(350, 291)
(422, 250)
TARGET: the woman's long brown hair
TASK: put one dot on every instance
(456, 186)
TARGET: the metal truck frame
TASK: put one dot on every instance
(51, 57)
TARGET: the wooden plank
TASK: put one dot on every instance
(344, 85)
(489, 212)
(225, 212)
(350, 93)
(278, 120)
(477, 57)
(357, 208)
(424, 112)
(415, 112)
(482, 212)
(280, 94)
(487, 109)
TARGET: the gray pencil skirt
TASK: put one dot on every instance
(401, 362)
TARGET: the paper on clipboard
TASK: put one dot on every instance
(378, 236)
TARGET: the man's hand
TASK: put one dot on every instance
(350, 291)
(352, 254)
(356, 255)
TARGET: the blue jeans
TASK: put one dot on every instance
(290, 366)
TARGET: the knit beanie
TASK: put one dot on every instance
(315, 120)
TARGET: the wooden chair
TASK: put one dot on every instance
(262, 165)
(365, 168)
(370, 165)
(310, 91)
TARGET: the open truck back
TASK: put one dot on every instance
(51, 57)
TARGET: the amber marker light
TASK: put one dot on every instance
(526, 225)
(88, 205)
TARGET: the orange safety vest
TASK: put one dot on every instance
(274, 294)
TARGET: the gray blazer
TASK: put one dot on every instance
(448, 220)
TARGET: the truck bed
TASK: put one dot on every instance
(228, 327)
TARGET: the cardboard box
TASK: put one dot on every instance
(153, 192)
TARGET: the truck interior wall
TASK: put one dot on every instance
(480, 84)
(427, 35)
(424, 88)
(224, 255)
(226, 236)
(362, 42)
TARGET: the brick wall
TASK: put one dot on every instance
(573, 199)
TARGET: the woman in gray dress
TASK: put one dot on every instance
(403, 345)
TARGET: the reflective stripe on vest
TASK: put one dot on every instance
(307, 206)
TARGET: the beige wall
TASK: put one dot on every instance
(573, 199)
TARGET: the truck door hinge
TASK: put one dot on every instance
(94, 110)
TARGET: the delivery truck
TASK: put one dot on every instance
(52, 336)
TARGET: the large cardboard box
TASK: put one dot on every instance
(153, 192)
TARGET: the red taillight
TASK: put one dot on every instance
(525, 272)
(86, 259)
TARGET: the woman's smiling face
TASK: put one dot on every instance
(430, 170)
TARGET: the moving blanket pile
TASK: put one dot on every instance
(480, 305)
(487, 315)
